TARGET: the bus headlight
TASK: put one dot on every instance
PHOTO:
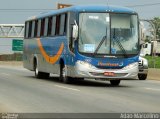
(130, 66)
(144, 62)
(85, 64)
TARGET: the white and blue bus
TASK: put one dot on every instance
(94, 42)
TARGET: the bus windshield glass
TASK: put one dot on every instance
(108, 34)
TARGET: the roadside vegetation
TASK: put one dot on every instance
(11, 57)
(154, 62)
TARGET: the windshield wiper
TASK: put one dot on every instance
(120, 45)
(99, 45)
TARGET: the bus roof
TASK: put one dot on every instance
(86, 8)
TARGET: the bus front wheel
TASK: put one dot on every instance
(115, 82)
(63, 76)
(142, 76)
(39, 74)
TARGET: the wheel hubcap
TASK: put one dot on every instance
(64, 72)
(36, 71)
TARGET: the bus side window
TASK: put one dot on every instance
(58, 17)
(63, 24)
(39, 28)
(53, 26)
(42, 27)
(49, 26)
(30, 29)
(26, 29)
(46, 27)
(33, 26)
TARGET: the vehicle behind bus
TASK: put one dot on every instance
(95, 42)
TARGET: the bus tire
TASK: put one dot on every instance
(45, 75)
(63, 76)
(142, 76)
(38, 74)
(80, 79)
(115, 82)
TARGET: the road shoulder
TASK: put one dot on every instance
(153, 74)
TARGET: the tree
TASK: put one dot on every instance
(156, 22)
(148, 39)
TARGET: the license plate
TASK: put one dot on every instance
(108, 73)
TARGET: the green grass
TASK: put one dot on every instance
(154, 62)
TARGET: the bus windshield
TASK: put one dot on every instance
(108, 34)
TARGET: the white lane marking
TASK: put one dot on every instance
(5, 74)
(67, 88)
(154, 89)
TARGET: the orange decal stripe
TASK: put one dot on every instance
(49, 59)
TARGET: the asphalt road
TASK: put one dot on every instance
(20, 92)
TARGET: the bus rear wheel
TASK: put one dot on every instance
(115, 82)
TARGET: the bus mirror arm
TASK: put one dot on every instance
(75, 30)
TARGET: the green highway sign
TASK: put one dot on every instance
(17, 45)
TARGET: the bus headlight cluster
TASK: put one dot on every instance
(86, 64)
(131, 65)
(144, 62)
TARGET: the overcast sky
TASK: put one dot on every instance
(17, 11)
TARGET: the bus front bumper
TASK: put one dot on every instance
(86, 70)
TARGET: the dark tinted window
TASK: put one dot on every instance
(30, 29)
(42, 27)
(35, 28)
(49, 26)
(57, 24)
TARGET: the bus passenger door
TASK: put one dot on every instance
(71, 19)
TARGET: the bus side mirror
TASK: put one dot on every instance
(75, 31)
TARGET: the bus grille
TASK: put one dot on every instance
(102, 74)
(104, 67)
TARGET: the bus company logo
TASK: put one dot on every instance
(108, 64)
(88, 60)
(50, 59)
